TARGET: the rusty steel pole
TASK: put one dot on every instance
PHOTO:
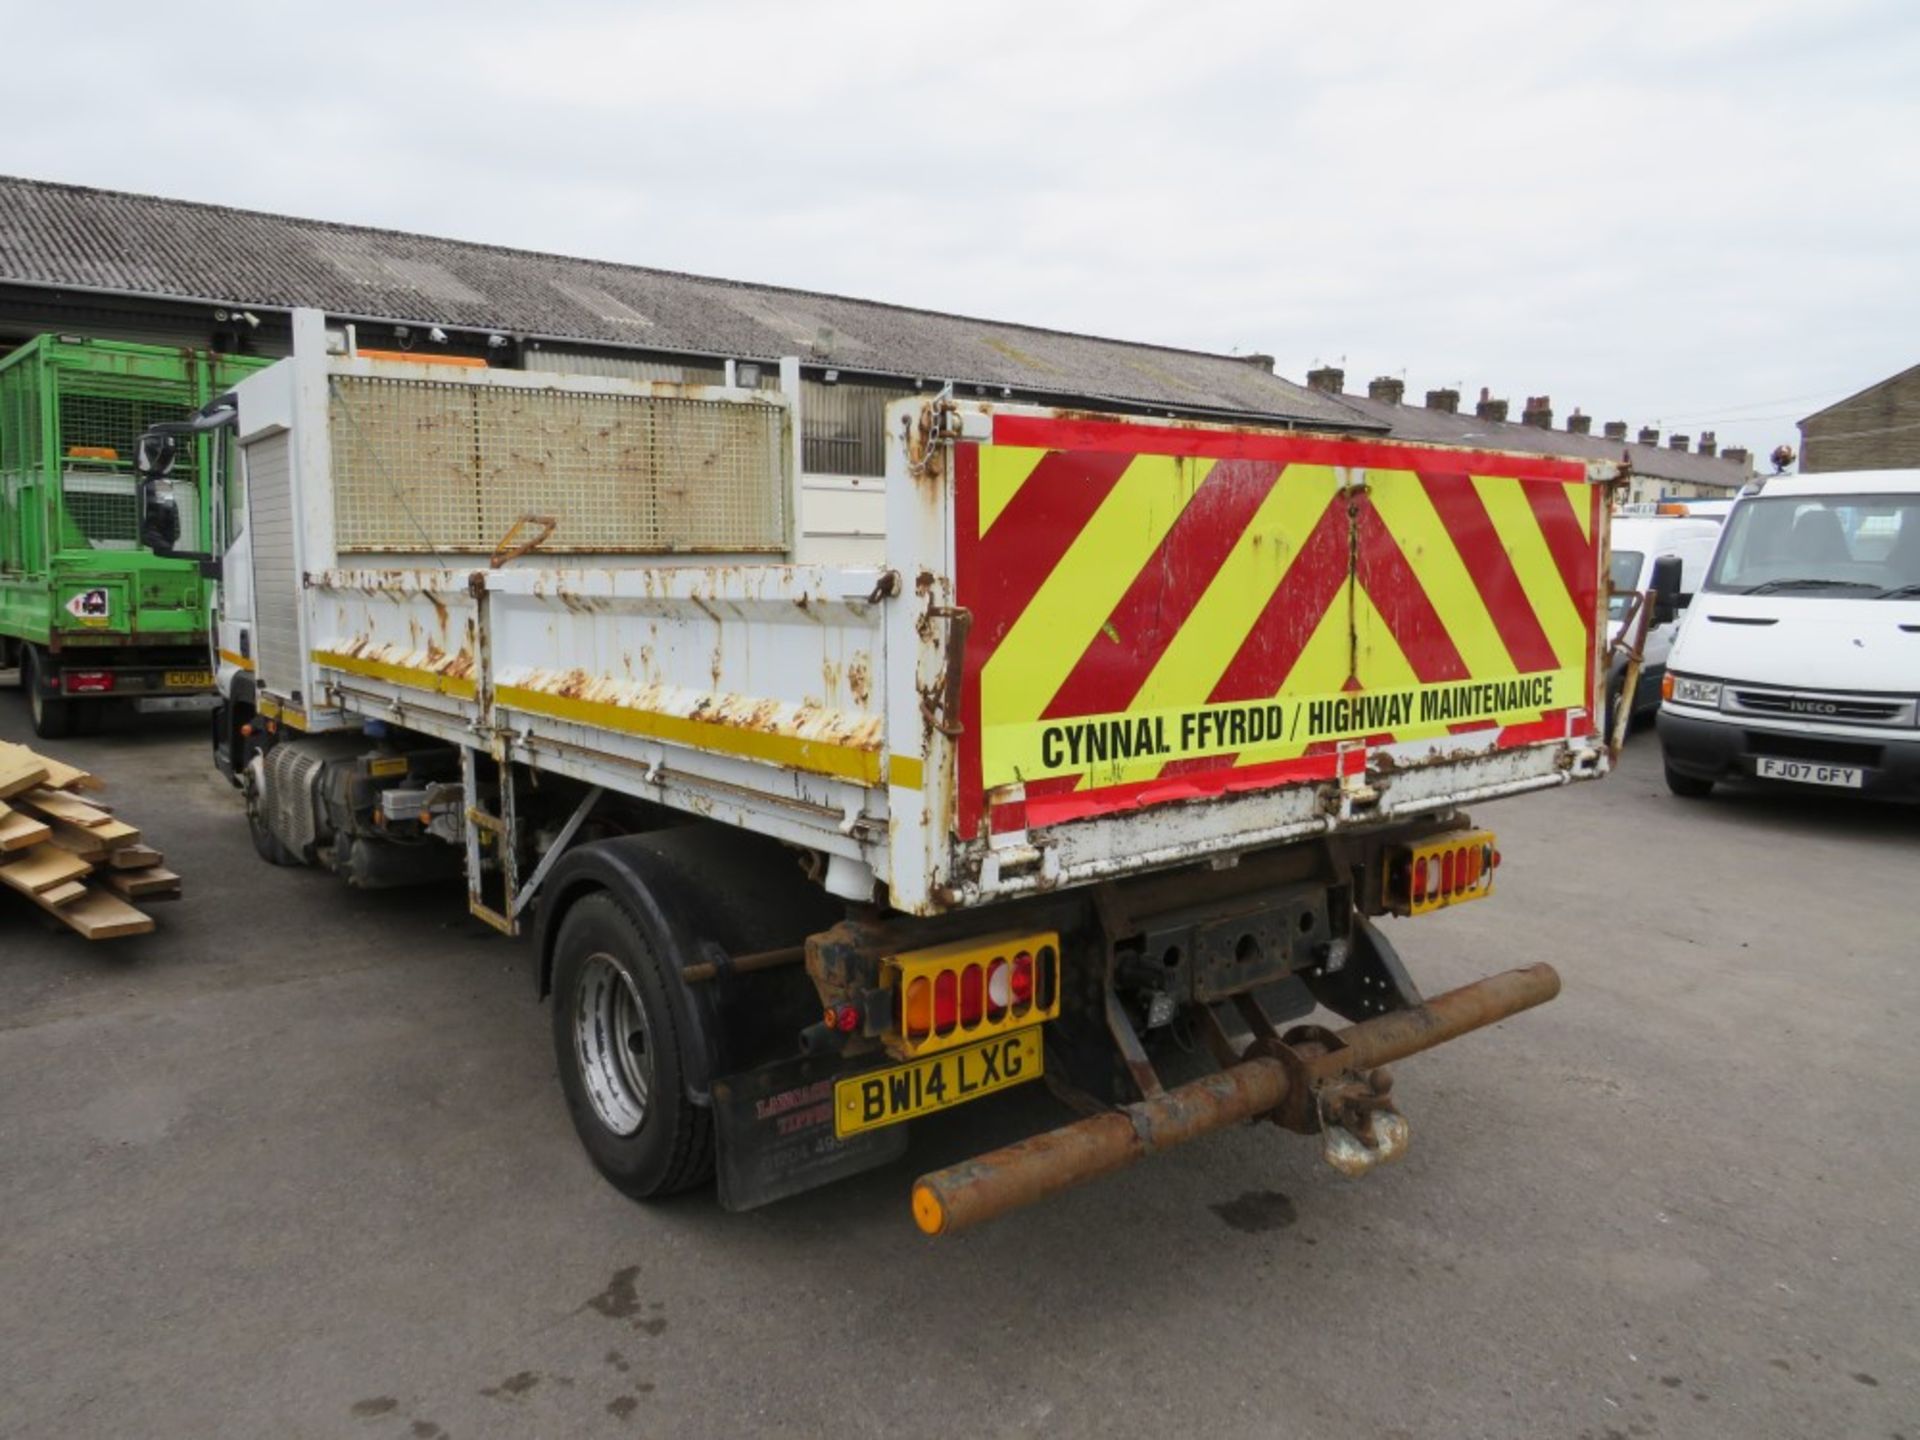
(964, 1195)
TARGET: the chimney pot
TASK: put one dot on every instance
(1445, 401)
(1709, 446)
(1538, 412)
(1578, 424)
(1614, 430)
(1738, 455)
(1490, 408)
(1328, 379)
(1649, 435)
(1259, 361)
(1679, 442)
(1386, 389)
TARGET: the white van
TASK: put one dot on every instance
(1799, 662)
(1638, 541)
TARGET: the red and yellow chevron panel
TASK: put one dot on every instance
(1162, 613)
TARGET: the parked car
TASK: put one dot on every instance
(1800, 664)
(1637, 543)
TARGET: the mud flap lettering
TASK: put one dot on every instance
(776, 1134)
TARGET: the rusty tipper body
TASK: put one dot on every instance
(1135, 733)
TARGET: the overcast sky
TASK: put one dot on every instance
(1698, 215)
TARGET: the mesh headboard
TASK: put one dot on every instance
(431, 465)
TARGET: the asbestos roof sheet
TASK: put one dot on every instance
(58, 236)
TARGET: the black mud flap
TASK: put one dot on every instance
(776, 1136)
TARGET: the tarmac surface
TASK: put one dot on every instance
(297, 1165)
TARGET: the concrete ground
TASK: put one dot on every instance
(297, 1165)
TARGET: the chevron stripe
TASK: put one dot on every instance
(1151, 625)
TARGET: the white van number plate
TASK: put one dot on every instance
(1806, 773)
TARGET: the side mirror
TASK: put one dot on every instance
(1666, 589)
(155, 456)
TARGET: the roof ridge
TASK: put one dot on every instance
(895, 307)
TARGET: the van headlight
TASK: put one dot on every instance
(1688, 691)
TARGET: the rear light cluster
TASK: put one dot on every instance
(953, 994)
(86, 682)
(1467, 867)
(1443, 871)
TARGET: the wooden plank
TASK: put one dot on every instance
(58, 805)
(20, 769)
(18, 832)
(41, 868)
(62, 894)
(100, 916)
(134, 857)
(62, 776)
(85, 843)
(135, 884)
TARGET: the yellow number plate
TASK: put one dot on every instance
(953, 1077)
(189, 679)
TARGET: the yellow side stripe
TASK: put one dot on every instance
(414, 676)
(906, 772)
(822, 757)
(238, 661)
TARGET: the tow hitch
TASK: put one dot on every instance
(1312, 1080)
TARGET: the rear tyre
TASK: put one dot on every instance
(52, 717)
(266, 844)
(623, 1064)
(1686, 787)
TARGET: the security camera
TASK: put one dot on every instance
(437, 335)
(496, 342)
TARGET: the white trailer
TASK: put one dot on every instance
(1132, 726)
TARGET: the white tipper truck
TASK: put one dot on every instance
(1125, 747)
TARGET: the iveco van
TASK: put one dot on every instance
(1799, 662)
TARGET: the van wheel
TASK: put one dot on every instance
(1686, 787)
(52, 718)
(616, 1035)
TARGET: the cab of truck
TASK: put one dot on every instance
(1639, 541)
(1800, 662)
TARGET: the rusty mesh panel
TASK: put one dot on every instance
(428, 465)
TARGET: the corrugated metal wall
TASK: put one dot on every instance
(624, 367)
(842, 427)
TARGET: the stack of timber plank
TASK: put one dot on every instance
(68, 854)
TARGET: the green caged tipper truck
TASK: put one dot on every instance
(104, 598)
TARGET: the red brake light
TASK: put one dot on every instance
(1446, 873)
(87, 682)
(946, 1002)
(1419, 881)
(1022, 978)
(973, 995)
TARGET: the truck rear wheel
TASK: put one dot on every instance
(623, 1065)
(52, 717)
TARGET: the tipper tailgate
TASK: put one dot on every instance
(1167, 613)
